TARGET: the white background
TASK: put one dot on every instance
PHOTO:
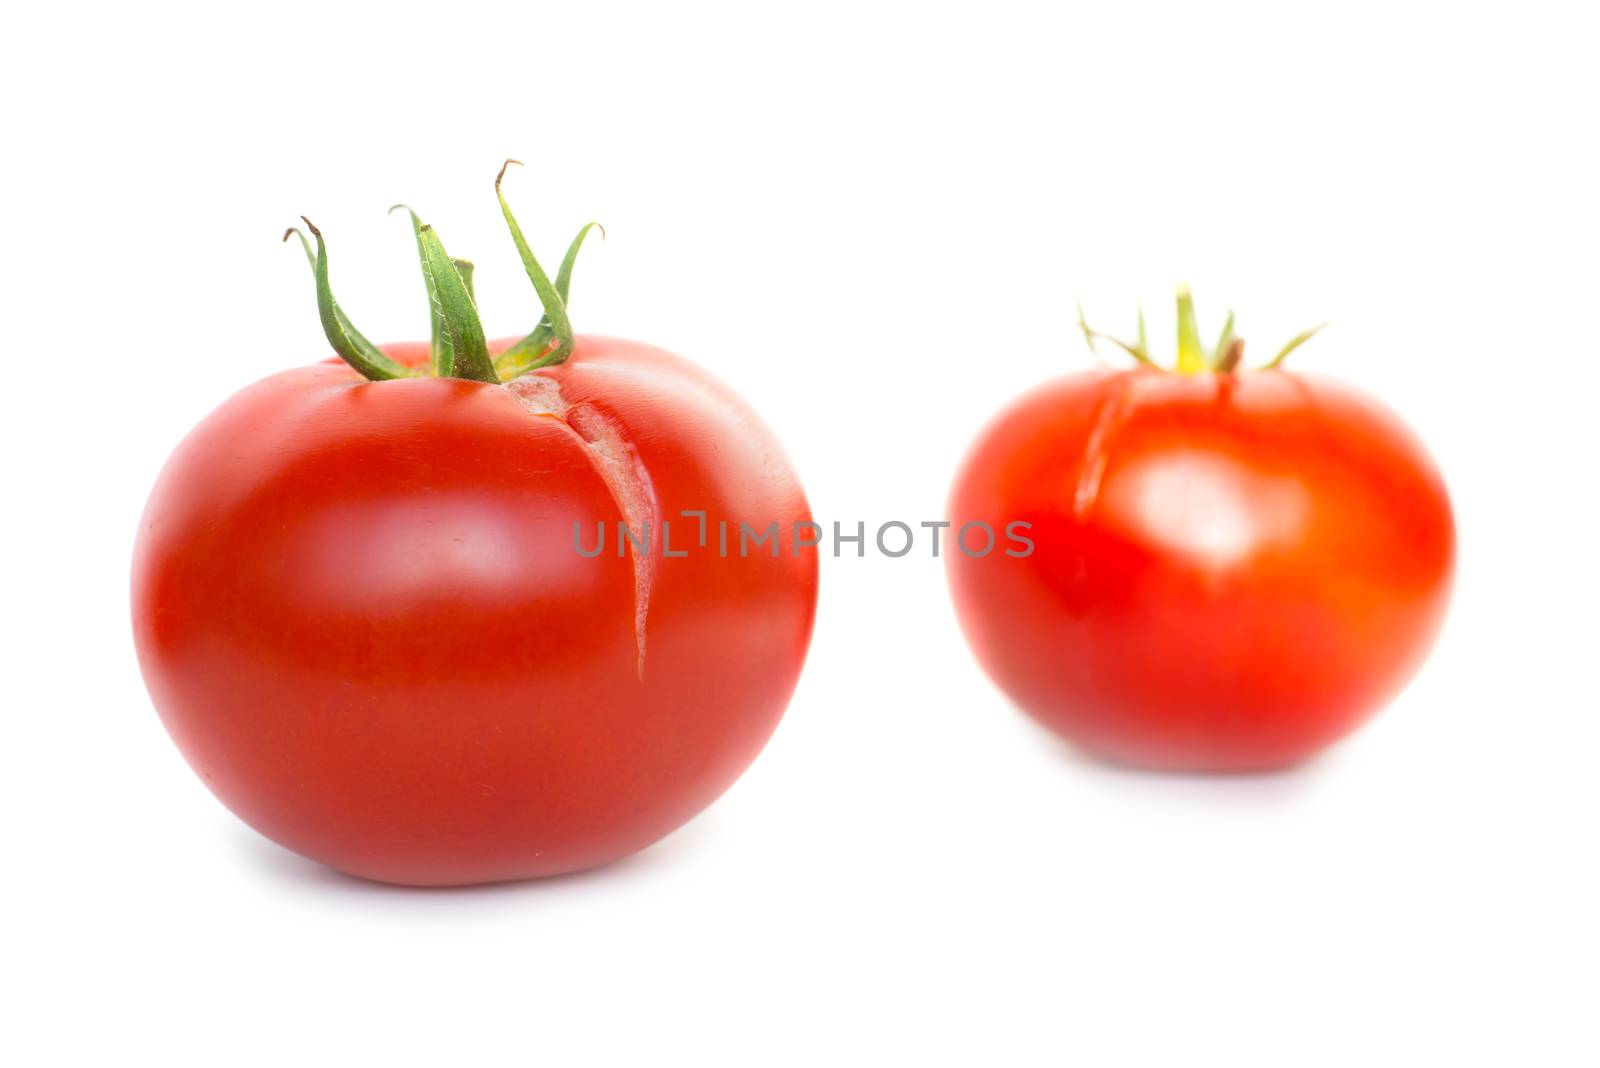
(872, 221)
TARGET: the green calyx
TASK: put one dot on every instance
(1193, 356)
(458, 347)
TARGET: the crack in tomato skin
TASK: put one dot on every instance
(1110, 413)
(617, 463)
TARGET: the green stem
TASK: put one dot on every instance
(464, 268)
(1191, 355)
(1223, 358)
(1295, 342)
(457, 346)
(436, 341)
(1228, 362)
(532, 351)
(468, 351)
(555, 308)
(353, 348)
(570, 260)
(1138, 351)
(1224, 344)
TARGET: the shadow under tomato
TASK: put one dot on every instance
(1271, 786)
(288, 867)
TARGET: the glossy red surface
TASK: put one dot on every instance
(361, 614)
(1230, 571)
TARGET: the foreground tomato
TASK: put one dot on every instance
(362, 609)
(1229, 570)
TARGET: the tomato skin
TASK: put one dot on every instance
(1230, 572)
(361, 615)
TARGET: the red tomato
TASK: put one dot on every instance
(362, 615)
(1230, 571)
